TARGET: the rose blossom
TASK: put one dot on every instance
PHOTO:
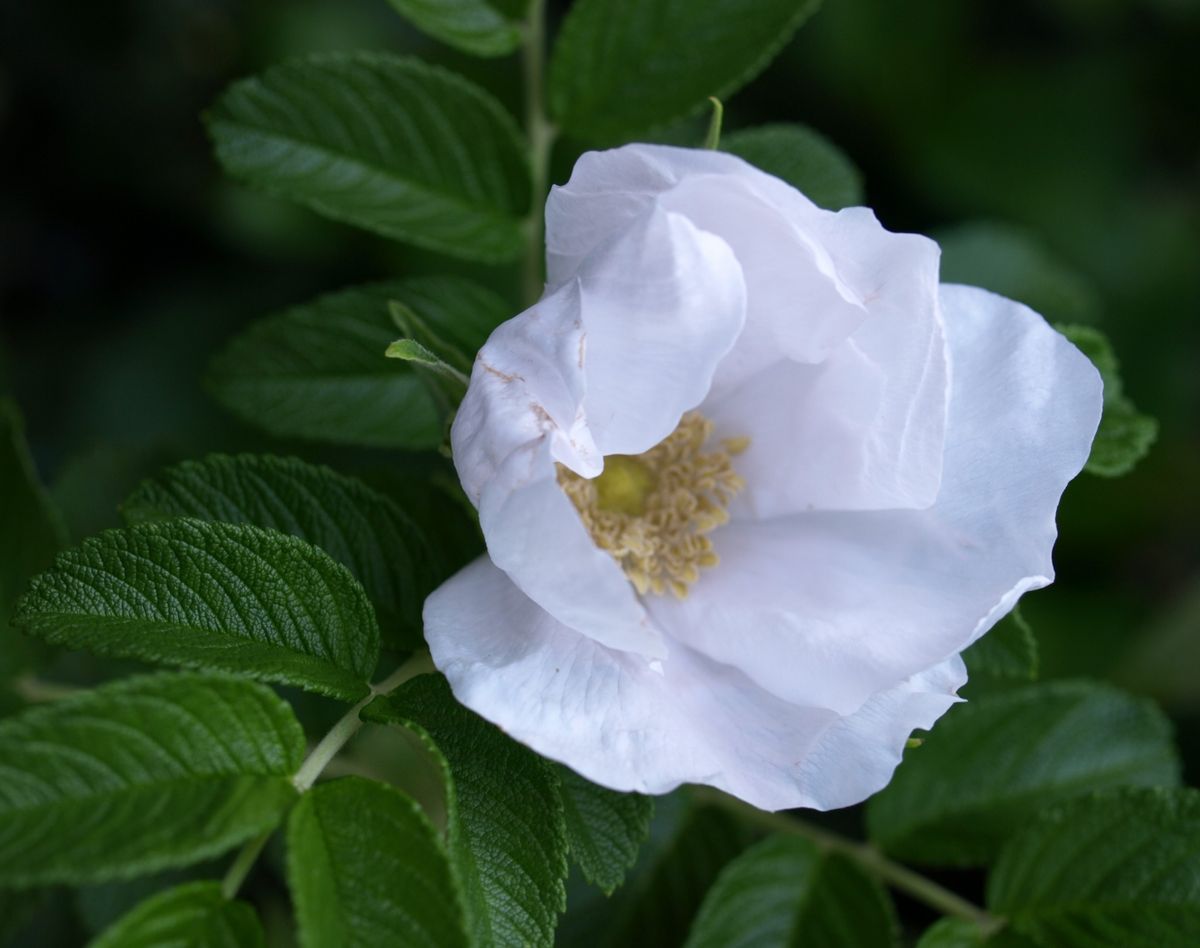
(750, 481)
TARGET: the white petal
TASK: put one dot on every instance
(828, 608)
(633, 725)
(662, 303)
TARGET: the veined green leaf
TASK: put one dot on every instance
(145, 774)
(196, 915)
(211, 595)
(1125, 435)
(31, 532)
(1007, 654)
(390, 144)
(785, 892)
(803, 158)
(992, 764)
(1119, 869)
(475, 26)
(507, 838)
(366, 867)
(605, 829)
(318, 371)
(621, 66)
(363, 530)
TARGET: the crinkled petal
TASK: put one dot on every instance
(662, 304)
(634, 725)
(828, 608)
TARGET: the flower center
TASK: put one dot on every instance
(652, 511)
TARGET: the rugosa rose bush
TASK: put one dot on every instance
(750, 481)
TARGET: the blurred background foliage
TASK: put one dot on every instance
(1053, 146)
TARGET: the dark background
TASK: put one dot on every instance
(126, 259)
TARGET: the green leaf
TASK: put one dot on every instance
(31, 532)
(1125, 435)
(318, 371)
(605, 829)
(474, 26)
(993, 764)
(366, 867)
(952, 933)
(1014, 263)
(622, 66)
(663, 898)
(190, 916)
(363, 530)
(141, 775)
(391, 144)
(1119, 869)
(211, 595)
(507, 838)
(804, 159)
(1006, 654)
(784, 892)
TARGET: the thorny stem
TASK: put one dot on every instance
(319, 758)
(868, 857)
(541, 134)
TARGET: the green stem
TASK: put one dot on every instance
(320, 757)
(897, 876)
(541, 134)
(36, 691)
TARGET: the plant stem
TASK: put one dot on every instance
(319, 758)
(897, 876)
(541, 134)
(35, 690)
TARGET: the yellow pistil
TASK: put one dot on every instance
(652, 511)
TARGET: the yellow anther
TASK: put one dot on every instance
(650, 512)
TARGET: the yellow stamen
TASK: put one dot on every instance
(651, 512)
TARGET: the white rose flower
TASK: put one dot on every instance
(750, 481)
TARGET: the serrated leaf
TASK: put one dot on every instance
(362, 529)
(605, 829)
(211, 595)
(1125, 435)
(784, 891)
(196, 915)
(1007, 654)
(622, 66)
(803, 158)
(141, 775)
(1012, 262)
(992, 764)
(318, 371)
(1113, 870)
(663, 899)
(474, 26)
(505, 822)
(31, 532)
(366, 867)
(387, 143)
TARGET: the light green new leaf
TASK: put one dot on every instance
(390, 144)
(366, 868)
(1007, 654)
(31, 532)
(318, 371)
(1119, 869)
(475, 26)
(1125, 435)
(785, 892)
(506, 833)
(622, 66)
(211, 595)
(605, 829)
(1012, 262)
(148, 773)
(362, 529)
(993, 764)
(803, 158)
(196, 915)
